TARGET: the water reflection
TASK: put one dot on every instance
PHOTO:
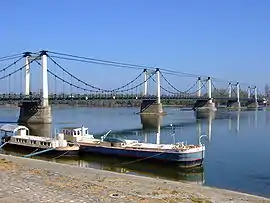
(151, 125)
(221, 128)
(120, 165)
(226, 164)
(140, 168)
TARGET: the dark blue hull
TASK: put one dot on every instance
(181, 159)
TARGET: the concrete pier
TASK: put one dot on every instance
(153, 106)
(203, 104)
(34, 113)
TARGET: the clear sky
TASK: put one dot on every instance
(228, 39)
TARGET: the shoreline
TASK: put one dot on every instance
(33, 180)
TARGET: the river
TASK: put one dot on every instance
(237, 154)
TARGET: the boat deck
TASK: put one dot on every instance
(146, 146)
(36, 138)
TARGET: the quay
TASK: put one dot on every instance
(31, 180)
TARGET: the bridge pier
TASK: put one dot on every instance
(153, 106)
(37, 112)
(253, 103)
(34, 113)
(238, 104)
(234, 104)
(206, 105)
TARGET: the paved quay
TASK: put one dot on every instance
(26, 180)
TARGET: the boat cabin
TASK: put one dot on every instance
(9, 130)
(74, 131)
(19, 135)
(74, 134)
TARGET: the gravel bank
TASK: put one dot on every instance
(28, 180)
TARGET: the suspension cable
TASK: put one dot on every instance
(15, 71)
(103, 61)
(94, 87)
(8, 66)
(96, 91)
(221, 93)
(10, 57)
(172, 86)
(166, 90)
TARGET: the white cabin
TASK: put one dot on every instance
(11, 130)
(20, 136)
(74, 134)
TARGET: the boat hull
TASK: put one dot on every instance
(184, 160)
(29, 149)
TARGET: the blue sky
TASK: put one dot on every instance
(227, 39)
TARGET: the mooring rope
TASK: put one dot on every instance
(138, 160)
(61, 155)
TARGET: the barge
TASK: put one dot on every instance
(18, 137)
(184, 155)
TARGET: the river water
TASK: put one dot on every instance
(237, 146)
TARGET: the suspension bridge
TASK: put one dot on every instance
(60, 85)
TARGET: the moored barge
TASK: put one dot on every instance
(184, 155)
(18, 137)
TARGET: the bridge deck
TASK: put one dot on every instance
(21, 97)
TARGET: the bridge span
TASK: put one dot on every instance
(35, 105)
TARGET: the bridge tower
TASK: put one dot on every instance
(145, 90)
(256, 97)
(249, 92)
(205, 105)
(199, 90)
(232, 102)
(238, 95)
(252, 101)
(36, 112)
(27, 56)
(152, 106)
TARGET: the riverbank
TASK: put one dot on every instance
(30, 180)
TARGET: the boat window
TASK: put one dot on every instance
(74, 132)
(79, 132)
(86, 132)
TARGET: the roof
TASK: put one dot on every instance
(72, 128)
(12, 128)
